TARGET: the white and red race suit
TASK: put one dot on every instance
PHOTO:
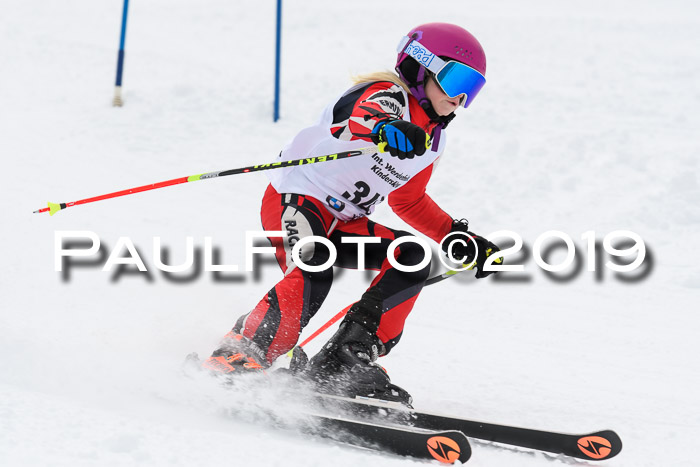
(333, 200)
(351, 188)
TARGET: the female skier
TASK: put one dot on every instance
(440, 68)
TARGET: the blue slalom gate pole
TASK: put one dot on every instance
(277, 61)
(117, 102)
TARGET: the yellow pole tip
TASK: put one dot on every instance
(54, 208)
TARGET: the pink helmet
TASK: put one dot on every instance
(447, 41)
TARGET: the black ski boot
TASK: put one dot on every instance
(346, 366)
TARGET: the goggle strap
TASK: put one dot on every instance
(402, 44)
(419, 53)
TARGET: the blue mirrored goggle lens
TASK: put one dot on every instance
(457, 78)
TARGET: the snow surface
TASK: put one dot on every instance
(589, 121)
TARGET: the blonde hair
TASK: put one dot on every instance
(380, 76)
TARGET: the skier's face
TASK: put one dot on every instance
(442, 104)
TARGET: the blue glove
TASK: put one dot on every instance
(400, 138)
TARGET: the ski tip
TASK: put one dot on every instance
(599, 446)
(54, 208)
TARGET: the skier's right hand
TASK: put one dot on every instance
(467, 247)
(400, 138)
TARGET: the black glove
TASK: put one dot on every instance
(401, 138)
(464, 247)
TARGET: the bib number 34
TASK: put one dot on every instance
(362, 197)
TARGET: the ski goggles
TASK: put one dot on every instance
(453, 77)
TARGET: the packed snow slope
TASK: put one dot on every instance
(588, 122)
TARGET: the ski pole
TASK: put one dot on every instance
(343, 312)
(53, 208)
(328, 324)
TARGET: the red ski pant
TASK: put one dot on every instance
(278, 319)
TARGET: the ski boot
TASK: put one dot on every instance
(236, 354)
(347, 366)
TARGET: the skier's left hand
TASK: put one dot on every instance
(466, 246)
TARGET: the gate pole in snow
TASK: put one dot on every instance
(277, 61)
(117, 102)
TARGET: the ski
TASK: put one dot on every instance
(446, 446)
(599, 445)
(391, 427)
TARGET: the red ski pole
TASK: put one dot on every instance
(330, 323)
(343, 312)
(53, 208)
